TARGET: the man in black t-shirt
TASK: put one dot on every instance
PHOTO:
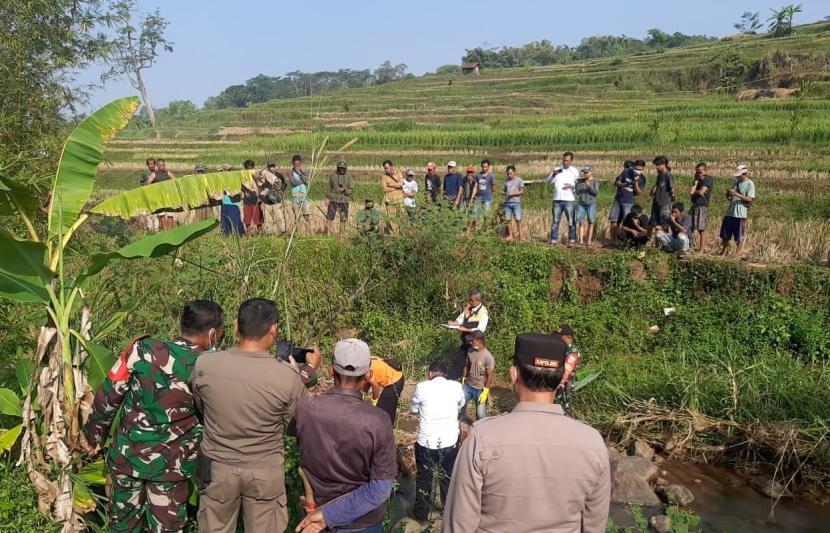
(701, 192)
(635, 227)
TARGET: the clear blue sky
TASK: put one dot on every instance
(220, 43)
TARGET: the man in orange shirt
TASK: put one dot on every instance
(386, 385)
(392, 185)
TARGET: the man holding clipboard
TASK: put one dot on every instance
(473, 317)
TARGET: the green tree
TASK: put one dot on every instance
(749, 24)
(136, 48)
(781, 21)
(180, 108)
(387, 72)
(445, 70)
(43, 42)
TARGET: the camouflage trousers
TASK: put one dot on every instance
(564, 396)
(138, 505)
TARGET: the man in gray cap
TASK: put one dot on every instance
(338, 196)
(533, 469)
(347, 447)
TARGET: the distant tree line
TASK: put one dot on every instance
(544, 52)
(294, 84)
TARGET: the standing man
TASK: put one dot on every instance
(251, 210)
(153, 450)
(453, 185)
(437, 402)
(629, 184)
(586, 191)
(701, 192)
(247, 398)
(432, 183)
(563, 179)
(298, 178)
(167, 219)
(662, 193)
(680, 228)
(410, 194)
(533, 452)
(271, 190)
(392, 184)
(514, 187)
(565, 391)
(486, 183)
(204, 211)
(339, 196)
(347, 447)
(473, 317)
(386, 385)
(478, 374)
(740, 196)
(150, 221)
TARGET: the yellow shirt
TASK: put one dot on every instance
(384, 374)
(392, 188)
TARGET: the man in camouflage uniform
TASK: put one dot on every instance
(153, 450)
(564, 395)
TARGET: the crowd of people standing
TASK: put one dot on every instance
(262, 204)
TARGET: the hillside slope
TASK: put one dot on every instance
(683, 101)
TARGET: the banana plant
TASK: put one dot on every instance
(58, 383)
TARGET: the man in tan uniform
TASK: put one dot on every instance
(247, 398)
(392, 184)
(534, 469)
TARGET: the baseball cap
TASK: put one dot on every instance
(741, 170)
(199, 168)
(410, 172)
(540, 350)
(471, 169)
(587, 169)
(351, 357)
(451, 164)
(342, 164)
(566, 330)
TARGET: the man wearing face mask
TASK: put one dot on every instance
(153, 451)
(247, 398)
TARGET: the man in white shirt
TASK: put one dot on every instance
(474, 317)
(436, 402)
(410, 192)
(563, 179)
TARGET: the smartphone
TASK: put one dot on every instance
(285, 349)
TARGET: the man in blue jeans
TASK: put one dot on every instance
(478, 374)
(630, 183)
(563, 179)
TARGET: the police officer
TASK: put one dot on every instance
(247, 398)
(533, 469)
(153, 451)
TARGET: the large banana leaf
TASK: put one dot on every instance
(98, 363)
(188, 192)
(10, 403)
(154, 245)
(78, 165)
(24, 276)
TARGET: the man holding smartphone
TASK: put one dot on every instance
(247, 398)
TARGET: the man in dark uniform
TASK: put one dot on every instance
(153, 451)
(564, 394)
(533, 469)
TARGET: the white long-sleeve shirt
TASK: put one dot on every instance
(568, 176)
(437, 402)
(483, 320)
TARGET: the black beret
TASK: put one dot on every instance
(540, 350)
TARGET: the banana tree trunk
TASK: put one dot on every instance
(50, 442)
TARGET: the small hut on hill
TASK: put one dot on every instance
(473, 68)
